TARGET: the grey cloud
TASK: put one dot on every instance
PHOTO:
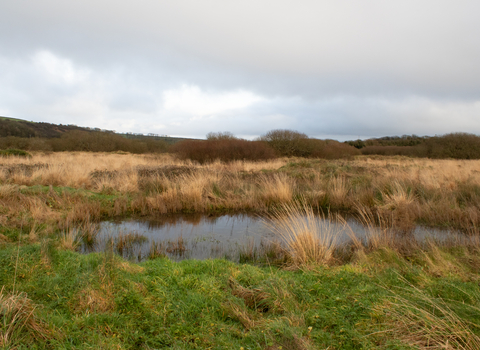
(366, 68)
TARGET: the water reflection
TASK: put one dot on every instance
(207, 236)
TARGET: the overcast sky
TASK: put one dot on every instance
(338, 69)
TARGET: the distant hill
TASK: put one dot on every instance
(23, 128)
(27, 129)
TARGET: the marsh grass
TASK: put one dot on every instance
(124, 243)
(93, 185)
(70, 239)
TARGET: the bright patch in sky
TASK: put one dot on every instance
(59, 69)
(191, 99)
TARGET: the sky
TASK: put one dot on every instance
(339, 69)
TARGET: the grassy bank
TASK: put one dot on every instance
(58, 299)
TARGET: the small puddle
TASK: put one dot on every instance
(202, 237)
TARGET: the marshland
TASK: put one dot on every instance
(301, 287)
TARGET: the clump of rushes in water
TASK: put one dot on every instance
(124, 243)
(157, 250)
(89, 233)
(307, 237)
(270, 252)
(177, 247)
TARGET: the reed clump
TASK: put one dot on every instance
(308, 237)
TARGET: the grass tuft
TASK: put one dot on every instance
(308, 237)
(426, 322)
(19, 321)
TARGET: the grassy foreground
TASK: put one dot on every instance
(56, 299)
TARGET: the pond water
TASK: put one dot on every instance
(202, 237)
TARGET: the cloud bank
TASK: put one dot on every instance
(341, 69)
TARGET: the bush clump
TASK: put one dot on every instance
(454, 145)
(227, 150)
(290, 143)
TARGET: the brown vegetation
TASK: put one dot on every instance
(455, 145)
(223, 149)
(74, 188)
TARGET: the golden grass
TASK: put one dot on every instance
(92, 300)
(276, 189)
(338, 190)
(402, 191)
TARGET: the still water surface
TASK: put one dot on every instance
(202, 237)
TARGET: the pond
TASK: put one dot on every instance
(202, 236)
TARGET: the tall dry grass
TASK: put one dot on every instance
(403, 191)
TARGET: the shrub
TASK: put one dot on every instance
(455, 145)
(226, 135)
(412, 151)
(289, 143)
(224, 150)
(331, 149)
(14, 152)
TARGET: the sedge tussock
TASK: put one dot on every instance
(307, 237)
(338, 190)
(378, 233)
(276, 189)
(70, 239)
(398, 196)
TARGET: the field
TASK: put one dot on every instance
(388, 291)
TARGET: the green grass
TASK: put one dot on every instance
(15, 119)
(14, 152)
(100, 301)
